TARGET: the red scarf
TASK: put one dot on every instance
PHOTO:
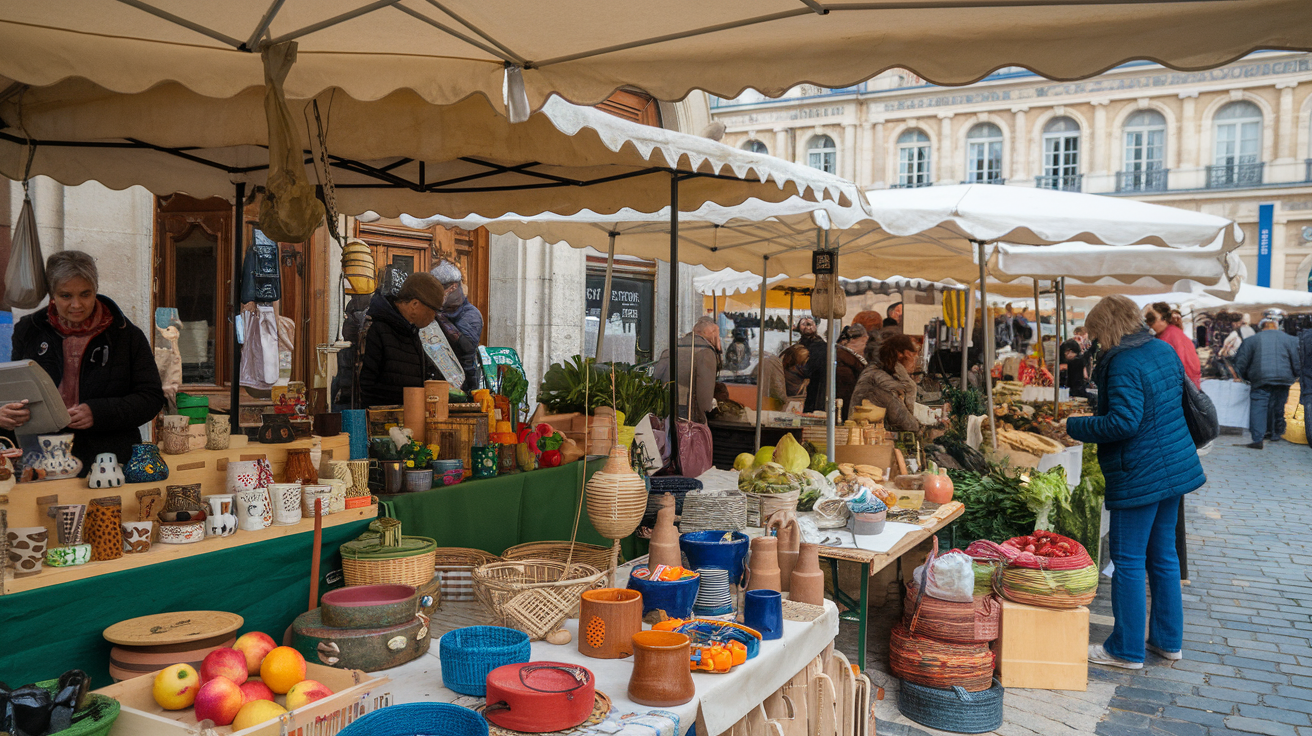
(76, 338)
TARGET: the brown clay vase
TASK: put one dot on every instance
(763, 564)
(608, 619)
(789, 537)
(808, 583)
(661, 677)
(300, 467)
(664, 537)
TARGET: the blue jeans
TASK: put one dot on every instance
(1143, 540)
(1266, 411)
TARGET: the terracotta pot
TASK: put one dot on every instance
(299, 468)
(789, 537)
(608, 619)
(661, 677)
(938, 488)
(664, 537)
(808, 581)
(763, 564)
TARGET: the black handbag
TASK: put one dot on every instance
(1200, 415)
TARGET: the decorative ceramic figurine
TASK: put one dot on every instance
(27, 549)
(254, 511)
(276, 429)
(136, 536)
(664, 537)
(69, 518)
(175, 438)
(145, 465)
(246, 475)
(222, 521)
(105, 472)
(56, 456)
(218, 431)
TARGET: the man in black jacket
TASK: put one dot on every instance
(815, 365)
(394, 357)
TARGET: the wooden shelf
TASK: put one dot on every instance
(165, 552)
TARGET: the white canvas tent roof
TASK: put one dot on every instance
(1093, 270)
(1250, 298)
(584, 50)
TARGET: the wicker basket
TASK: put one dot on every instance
(977, 621)
(96, 717)
(470, 653)
(366, 562)
(616, 496)
(939, 664)
(533, 596)
(589, 554)
(711, 510)
(952, 709)
(455, 571)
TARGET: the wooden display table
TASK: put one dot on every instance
(27, 503)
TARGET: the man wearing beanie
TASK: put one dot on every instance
(394, 357)
(461, 322)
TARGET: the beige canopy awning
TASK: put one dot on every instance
(444, 51)
(392, 155)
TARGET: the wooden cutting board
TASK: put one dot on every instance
(171, 629)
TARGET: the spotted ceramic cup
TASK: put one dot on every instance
(136, 536)
(77, 554)
(27, 549)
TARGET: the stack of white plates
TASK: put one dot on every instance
(713, 595)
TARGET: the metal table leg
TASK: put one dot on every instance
(857, 610)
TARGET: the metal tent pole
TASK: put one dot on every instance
(238, 235)
(988, 341)
(671, 432)
(966, 328)
(791, 294)
(605, 297)
(1037, 324)
(760, 351)
(831, 374)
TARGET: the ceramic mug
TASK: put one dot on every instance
(253, 509)
(247, 475)
(136, 536)
(218, 431)
(222, 521)
(286, 500)
(27, 549)
(77, 554)
(312, 492)
(175, 437)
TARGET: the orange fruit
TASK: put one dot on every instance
(282, 668)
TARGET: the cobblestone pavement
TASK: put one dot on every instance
(1247, 664)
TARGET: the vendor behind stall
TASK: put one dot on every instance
(461, 322)
(101, 362)
(850, 362)
(888, 383)
(394, 357)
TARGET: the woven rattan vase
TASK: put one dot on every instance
(617, 497)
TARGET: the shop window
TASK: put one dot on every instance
(631, 317)
(984, 154)
(913, 159)
(822, 154)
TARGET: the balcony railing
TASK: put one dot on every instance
(1143, 180)
(982, 180)
(1307, 173)
(912, 185)
(1228, 176)
(1063, 183)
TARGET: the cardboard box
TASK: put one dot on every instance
(354, 694)
(1043, 648)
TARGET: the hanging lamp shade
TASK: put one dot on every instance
(616, 496)
(358, 267)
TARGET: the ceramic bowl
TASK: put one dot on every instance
(181, 532)
(675, 597)
(76, 554)
(704, 549)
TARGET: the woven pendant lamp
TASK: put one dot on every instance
(358, 267)
(616, 496)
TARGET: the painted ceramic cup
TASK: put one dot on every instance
(105, 472)
(222, 519)
(312, 492)
(359, 477)
(485, 459)
(136, 536)
(253, 510)
(218, 432)
(286, 500)
(27, 549)
(247, 475)
(336, 495)
(175, 438)
(68, 518)
(55, 456)
(181, 532)
(77, 554)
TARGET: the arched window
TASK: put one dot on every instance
(1061, 155)
(1145, 153)
(913, 159)
(755, 146)
(821, 154)
(984, 154)
(1238, 146)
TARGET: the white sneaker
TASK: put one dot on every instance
(1098, 655)
(1173, 656)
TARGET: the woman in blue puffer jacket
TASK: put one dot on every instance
(1149, 460)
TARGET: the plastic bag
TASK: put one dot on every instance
(951, 578)
(25, 278)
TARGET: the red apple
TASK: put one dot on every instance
(254, 645)
(306, 692)
(218, 700)
(255, 690)
(224, 662)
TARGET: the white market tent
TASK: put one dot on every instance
(447, 50)
(1249, 298)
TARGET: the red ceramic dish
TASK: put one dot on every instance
(539, 697)
(369, 606)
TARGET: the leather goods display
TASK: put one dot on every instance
(539, 697)
(369, 649)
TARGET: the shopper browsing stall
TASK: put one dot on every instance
(850, 363)
(815, 364)
(1168, 326)
(701, 367)
(889, 384)
(1149, 460)
(101, 362)
(394, 357)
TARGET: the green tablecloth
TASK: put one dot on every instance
(46, 631)
(496, 513)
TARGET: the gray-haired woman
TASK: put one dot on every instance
(101, 362)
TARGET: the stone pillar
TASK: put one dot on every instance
(781, 148)
(867, 156)
(1286, 115)
(947, 153)
(1280, 251)
(847, 162)
(1099, 164)
(1188, 160)
(1021, 169)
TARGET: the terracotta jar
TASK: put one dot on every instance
(763, 564)
(789, 537)
(661, 678)
(938, 487)
(664, 537)
(299, 468)
(608, 619)
(808, 583)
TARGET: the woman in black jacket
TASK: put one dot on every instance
(394, 356)
(102, 363)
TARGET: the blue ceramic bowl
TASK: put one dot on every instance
(704, 549)
(675, 597)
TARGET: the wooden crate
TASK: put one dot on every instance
(1043, 648)
(354, 694)
(457, 435)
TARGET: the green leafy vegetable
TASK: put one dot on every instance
(1082, 519)
(1044, 493)
(995, 508)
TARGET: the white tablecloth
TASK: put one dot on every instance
(1231, 400)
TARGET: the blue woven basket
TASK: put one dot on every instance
(952, 710)
(470, 653)
(658, 486)
(419, 719)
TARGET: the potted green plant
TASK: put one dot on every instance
(417, 459)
